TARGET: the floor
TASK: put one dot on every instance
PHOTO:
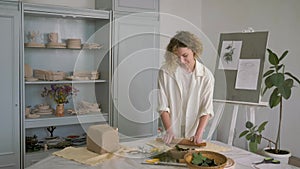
(295, 161)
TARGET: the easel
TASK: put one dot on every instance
(250, 116)
(233, 89)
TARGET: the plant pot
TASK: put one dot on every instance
(283, 156)
(60, 109)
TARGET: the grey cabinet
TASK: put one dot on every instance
(135, 57)
(135, 44)
(10, 132)
(93, 28)
(129, 5)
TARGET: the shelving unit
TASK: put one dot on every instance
(91, 27)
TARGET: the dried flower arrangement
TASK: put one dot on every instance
(60, 93)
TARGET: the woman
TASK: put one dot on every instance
(186, 90)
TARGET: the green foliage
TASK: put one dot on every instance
(277, 80)
(253, 134)
(280, 83)
(200, 160)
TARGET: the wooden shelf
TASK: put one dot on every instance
(51, 120)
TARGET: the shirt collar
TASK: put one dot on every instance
(199, 69)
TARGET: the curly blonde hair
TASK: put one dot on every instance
(183, 39)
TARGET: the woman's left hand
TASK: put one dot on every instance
(196, 139)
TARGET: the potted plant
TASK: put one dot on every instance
(60, 93)
(280, 82)
(254, 135)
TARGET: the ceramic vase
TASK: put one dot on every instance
(59, 112)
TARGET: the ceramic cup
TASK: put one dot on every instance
(53, 37)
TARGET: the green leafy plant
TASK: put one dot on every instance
(200, 160)
(280, 82)
(254, 135)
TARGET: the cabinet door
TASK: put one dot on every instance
(128, 5)
(136, 5)
(9, 73)
(135, 74)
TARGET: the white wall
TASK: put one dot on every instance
(281, 19)
(173, 18)
(176, 16)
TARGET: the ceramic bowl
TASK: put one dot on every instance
(219, 159)
(43, 106)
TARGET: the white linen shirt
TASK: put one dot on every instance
(200, 100)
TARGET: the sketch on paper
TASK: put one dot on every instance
(230, 54)
(247, 74)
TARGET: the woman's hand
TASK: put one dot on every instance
(196, 139)
(168, 136)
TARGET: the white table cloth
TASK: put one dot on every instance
(242, 158)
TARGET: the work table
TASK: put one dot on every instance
(242, 158)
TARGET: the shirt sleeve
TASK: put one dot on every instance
(163, 104)
(206, 106)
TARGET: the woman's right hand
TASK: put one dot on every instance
(168, 136)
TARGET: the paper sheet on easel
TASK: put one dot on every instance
(247, 74)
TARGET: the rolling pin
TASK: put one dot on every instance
(183, 141)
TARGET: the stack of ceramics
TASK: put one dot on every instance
(91, 46)
(43, 109)
(84, 75)
(74, 43)
(29, 114)
(93, 75)
(49, 75)
(29, 73)
(53, 41)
